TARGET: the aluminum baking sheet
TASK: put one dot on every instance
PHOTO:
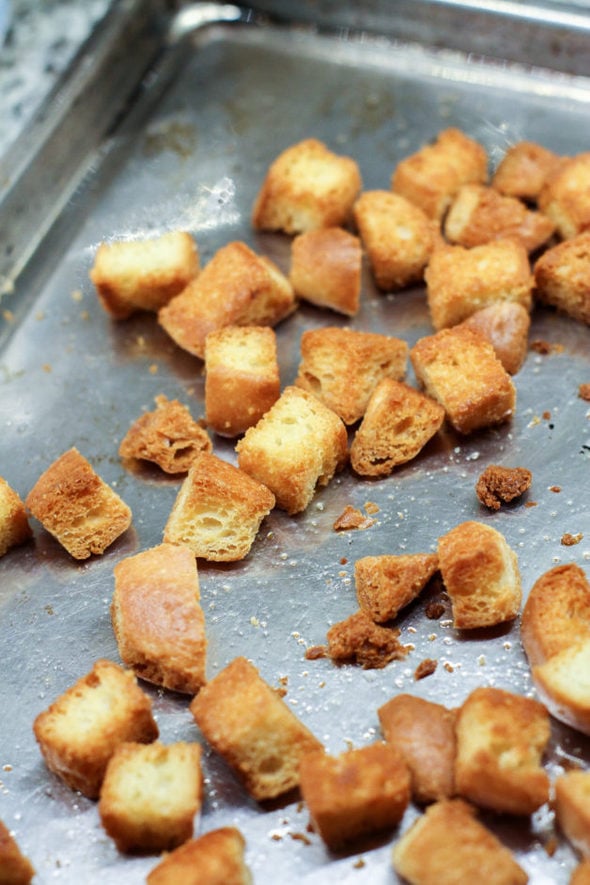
(191, 153)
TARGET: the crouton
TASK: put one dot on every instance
(79, 732)
(326, 269)
(523, 169)
(572, 808)
(562, 684)
(216, 858)
(581, 874)
(15, 868)
(252, 728)
(143, 274)
(561, 277)
(565, 195)
(14, 523)
(387, 583)
(506, 325)
(307, 187)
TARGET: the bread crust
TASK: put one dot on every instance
(216, 858)
(387, 583)
(326, 269)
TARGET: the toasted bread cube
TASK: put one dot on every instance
(241, 377)
(459, 368)
(14, 524)
(480, 214)
(460, 281)
(250, 725)
(157, 619)
(506, 325)
(565, 196)
(572, 808)
(236, 288)
(307, 187)
(144, 274)
(357, 793)
(501, 738)
(523, 169)
(448, 845)
(561, 277)
(398, 236)
(218, 510)
(342, 367)
(398, 423)
(581, 873)
(359, 640)
(424, 733)
(79, 732)
(326, 269)
(150, 795)
(295, 448)
(168, 436)
(481, 575)
(15, 868)
(563, 685)
(431, 177)
(217, 858)
(387, 583)
(77, 507)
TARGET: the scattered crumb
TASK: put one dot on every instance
(46, 367)
(359, 640)
(584, 392)
(343, 560)
(352, 518)
(569, 540)
(301, 837)
(315, 652)
(276, 837)
(371, 507)
(546, 416)
(40, 315)
(498, 485)
(77, 295)
(358, 864)
(555, 489)
(8, 316)
(541, 346)
(434, 611)
(530, 504)
(449, 667)
(153, 369)
(425, 668)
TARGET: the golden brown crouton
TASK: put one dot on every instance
(562, 686)
(342, 367)
(424, 733)
(168, 436)
(241, 377)
(295, 448)
(326, 269)
(572, 808)
(14, 525)
(398, 423)
(15, 868)
(216, 858)
(432, 176)
(143, 274)
(77, 507)
(565, 196)
(459, 368)
(561, 277)
(506, 325)
(236, 288)
(460, 281)
(257, 734)
(523, 170)
(307, 187)
(501, 738)
(387, 583)
(480, 573)
(398, 236)
(157, 619)
(150, 795)
(359, 640)
(357, 793)
(218, 510)
(79, 732)
(448, 845)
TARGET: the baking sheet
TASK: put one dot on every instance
(191, 153)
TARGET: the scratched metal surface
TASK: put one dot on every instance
(191, 154)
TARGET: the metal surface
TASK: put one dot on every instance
(191, 153)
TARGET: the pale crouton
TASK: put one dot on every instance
(157, 619)
(565, 196)
(356, 793)
(342, 367)
(77, 507)
(431, 177)
(241, 377)
(79, 732)
(397, 424)
(523, 170)
(143, 274)
(236, 288)
(563, 684)
(168, 437)
(326, 269)
(218, 510)
(216, 858)
(257, 734)
(295, 448)
(359, 640)
(150, 795)
(460, 281)
(14, 524)
(481, 575)
(459, 368)
(424, 733)
(506, 325)
(448, 845)
(386, 583)
(307, 187)
(501, 738)
(15, 868)
(398, 237)
(561, 277)
(572, 808)
(479, 214)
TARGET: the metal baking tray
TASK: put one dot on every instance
(169, 120)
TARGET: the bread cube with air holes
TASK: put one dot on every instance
(565, 195)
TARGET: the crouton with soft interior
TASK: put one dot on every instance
(326, 268)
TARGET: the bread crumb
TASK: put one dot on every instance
(371, 507)
(555, 489)
(539, 345)
(352, 518)
(530, 504)
(449, 667)
(497, 485)
(359, 864)
(153, 370)
(8, 316)
(569, 540)
(300, 837)
(584, 392)
(359, 640)
(315, 652)
(434, 611)
(77, 295)
(46, 367)
(425, 668)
